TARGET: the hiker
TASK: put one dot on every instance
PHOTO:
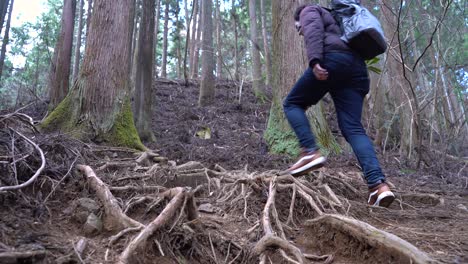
(336, 69)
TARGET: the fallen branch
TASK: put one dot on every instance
(115, 218)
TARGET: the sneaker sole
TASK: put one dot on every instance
(316, 164)
(385, 199)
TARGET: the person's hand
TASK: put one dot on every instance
(320, 73)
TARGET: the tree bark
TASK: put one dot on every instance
(266, 46)
(3, 12)
(207, 83)
(236, 50)
(219, 44)
(88, 16)
(144, 72)
(196, 53)
(194, 34)
(6, 39)
(76, 66)
(98, 106)
(257, 82)
(165, 40)
(156, 33)
(59, 74)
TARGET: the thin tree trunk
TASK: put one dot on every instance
(178, 43)
(6, 38)
(144, 72)
(187, 41)
(193, 37)
(156, 33)
(3, 12)
(256, 65)
(59, 74)
(165, 40)
(236, 49)
(207, 83)
(266, 46)
(196, 53)
(88, 16)
(219, 44)
(78, 41)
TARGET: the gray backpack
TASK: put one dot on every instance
(361, 30)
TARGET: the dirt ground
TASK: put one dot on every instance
(231, 183)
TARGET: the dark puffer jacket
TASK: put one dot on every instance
(321, 33)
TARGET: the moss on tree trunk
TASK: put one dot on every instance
(65, 118)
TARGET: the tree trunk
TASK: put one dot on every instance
(5, 39)
(144, 73)
(219, 44)
(177, 41)
(266, 46)
(78, 42)
(88, 16)
(59, 74)
(236, 49)
(257, 82)
(156, 33)
(194, 34)
(3, 12)
(196, 53)
(289, 59)
(98, 106)
(207, 82)
(165, 36)
(187, 40)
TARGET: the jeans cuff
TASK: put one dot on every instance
(375, 184)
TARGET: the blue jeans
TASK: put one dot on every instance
(348, 83)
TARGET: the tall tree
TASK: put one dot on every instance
(236, 50)
(76, 66)
(88, 15)
(6, 38)
(266, 46)
(165, 41)
(3, 12)
(257, 82)
(98, 107)
(207, 82)
(197, 42)
(144, 72)
(193, 37)
(156, 33)
(61, 63)
(219, 44)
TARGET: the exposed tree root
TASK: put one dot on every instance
(115, 219)
(178, 195)
(365, 233)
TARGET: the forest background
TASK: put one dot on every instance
(103, 77)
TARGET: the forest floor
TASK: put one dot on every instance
(236, 196)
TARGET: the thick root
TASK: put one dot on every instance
(392, 245)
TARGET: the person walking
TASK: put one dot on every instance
(336, 69)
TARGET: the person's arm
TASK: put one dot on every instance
(313, 31)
